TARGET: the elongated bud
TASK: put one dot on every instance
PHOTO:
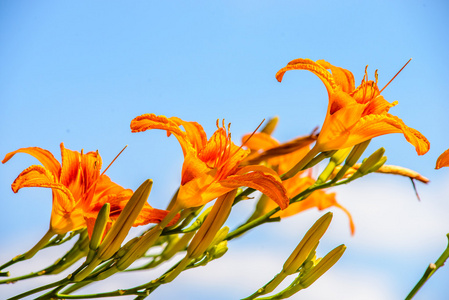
(356, 153)
(336, 159)
(307, 244)
(206, 234)
(177, 245)
(352, 159)
(115, 236)
(219, 237)
(219, 250)
(378, 165)
(339, 156)
(323, 265)
(370, 164)
(99, 228)
(216, 218)
(147, 240)
(124, 222)
(199, 221)
(371, 161)
(271, 125)
(126, 247)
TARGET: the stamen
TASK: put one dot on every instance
(93, 184)
(229, 146)
(251, 134)
(365, 76)
(395, 76)
(113, 160)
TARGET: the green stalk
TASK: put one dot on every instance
(429, 271)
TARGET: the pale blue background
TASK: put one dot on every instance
(79, 71)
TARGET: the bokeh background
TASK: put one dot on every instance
(79, 71)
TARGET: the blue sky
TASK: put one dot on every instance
(79, 72)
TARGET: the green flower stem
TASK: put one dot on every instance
(430, 270)
(61, 238)
(301, 164)
(101, 295)
(266, 218)
(72, 256)
(76, 286)
(261, 220)
(41, 288)
(243, 195)
(30, 253)
(269, 287)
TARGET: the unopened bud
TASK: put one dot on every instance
(336, 159)
(271, 125)
(356, 153)
(124, 222)
(119, 230)
(207, 232)
(371, 161)
(99, 229)
(323, 265)
(307, 244)
(220, 250)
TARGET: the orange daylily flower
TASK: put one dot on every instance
(295, 185)
(354, 115)
(443, 160)
(211, 167)
(79, 190)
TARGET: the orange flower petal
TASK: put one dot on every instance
(259, 141)
(378, 106)
(151, 121)
(338, 127)
(310, 65)
(371, 126)
(153, 215)
(44, 156)
(201, 190)
(79, 172)
(257, 168)
(106, 187)
(62, 221)
(108, 192)
(192, 168)
(195, 132)
(220, 152)
(443, 160)
(262, 182)
(342, 77)
(38, 176)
